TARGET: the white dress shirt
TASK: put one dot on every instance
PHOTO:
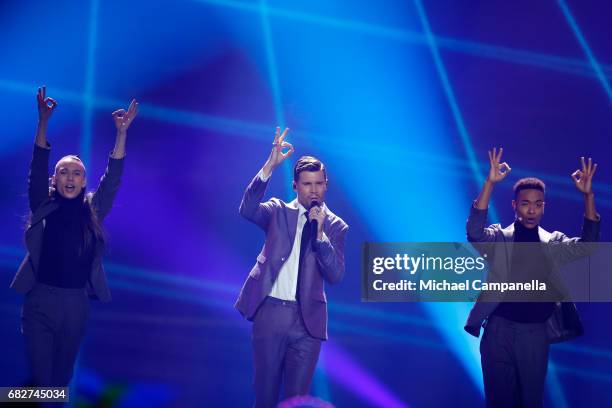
(285, 286)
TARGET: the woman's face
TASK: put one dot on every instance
(69, 178)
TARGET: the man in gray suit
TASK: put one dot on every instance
(514, 347)
(284, 294)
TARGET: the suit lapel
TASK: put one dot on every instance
(43, 211)
(34, 234)
(508, 233)
(544, 235)
(328, 218)
(291, 215)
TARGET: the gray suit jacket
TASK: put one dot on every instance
(279, 220)
(42, 205)
(564, 323)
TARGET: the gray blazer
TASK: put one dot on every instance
(41, 205)
(564, 323)
(279, 220)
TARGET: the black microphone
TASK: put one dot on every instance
(314, 227)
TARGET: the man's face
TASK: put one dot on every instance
(529, 207)
(69, 178)
(311, 186)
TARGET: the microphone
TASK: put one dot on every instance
(314, 227)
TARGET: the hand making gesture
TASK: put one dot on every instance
(498, 171)
(46, 105)
(123, 119)
(583, 178)
(277, 156)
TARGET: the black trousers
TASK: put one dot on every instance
(53, 322)
(514, 360)
(284, 352)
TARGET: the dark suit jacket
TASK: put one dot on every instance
(279, 220)
(564, 323)
(42, 205)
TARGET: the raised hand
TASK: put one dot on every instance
(498, 171)
(583, 178)
(123, 119)
(277, 156)
(46, 105)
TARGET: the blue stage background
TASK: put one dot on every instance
(401, 100)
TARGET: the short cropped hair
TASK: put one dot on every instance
(308, 163)
(529, 183)
(73, 157)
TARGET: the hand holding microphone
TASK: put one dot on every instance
(316, 215)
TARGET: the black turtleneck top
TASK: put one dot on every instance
(528, 262)
(65, 260)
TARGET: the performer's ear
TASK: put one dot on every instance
(294, 186)
(514, 205)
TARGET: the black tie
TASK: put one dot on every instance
(303, 248)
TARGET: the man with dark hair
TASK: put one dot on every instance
(308, 163)
(284, 294)
(514, 347)
(529, 183)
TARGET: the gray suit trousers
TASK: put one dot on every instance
(53, 323)
(514, 360)
(284, 352)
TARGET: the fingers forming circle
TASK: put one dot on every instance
(287, 145)
(504, 168)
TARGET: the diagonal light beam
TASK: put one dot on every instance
(86, 136)
(585, 47)
(552, 62)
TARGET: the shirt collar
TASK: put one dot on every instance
(301, 209)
